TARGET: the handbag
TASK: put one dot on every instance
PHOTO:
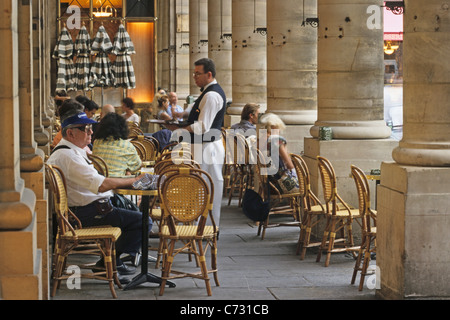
(254, 207)
(287, 183)
(119, 201)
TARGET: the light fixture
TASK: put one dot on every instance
(103, 12)
(389, 48)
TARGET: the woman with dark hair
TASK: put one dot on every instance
(111, 145)
(163, 105)
(90, 106)
(128, 111)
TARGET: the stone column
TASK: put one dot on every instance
(350, 87)
(172, 16)
(413, 214)
(198, 37)
(350, 71)
(219, 23)
(163, 44)
(292, 67)
(41, 121)
(249, 57)
(183, 71)
(20, 262)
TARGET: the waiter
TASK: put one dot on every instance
(206, 119)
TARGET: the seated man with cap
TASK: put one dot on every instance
(85, 187)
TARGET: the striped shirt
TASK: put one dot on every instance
(119, 155)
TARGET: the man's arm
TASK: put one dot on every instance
(117, 183)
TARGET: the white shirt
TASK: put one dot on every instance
(210, 105)
(82, 179)
(133, 118)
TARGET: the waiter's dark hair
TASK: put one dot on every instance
(208, 65)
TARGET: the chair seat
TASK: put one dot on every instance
(187, 231)
(94, 233)
(156, 213)
(345, 213)
(317, 209)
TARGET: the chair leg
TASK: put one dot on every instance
(107, 258)
(113, 257)
(203, 267)
(264, 227)
(300, 239)
(160, 254)
(366, 262)
(60, 258)
(331, 241)
(214, 260)
(167, 265)
(350, 234)
(59, 267)
(358, 260)
(324, 239)
(306, 242)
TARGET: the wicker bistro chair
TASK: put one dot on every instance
(151, 149)
(311, 209)
(369, 229)
(186, 199)
(99, 164)
(339, 215)
(155, 213)
(280, 204)
(237, 168)
(69, 237)
(140, 148)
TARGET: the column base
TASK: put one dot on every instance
(437, 155)
(412, 232)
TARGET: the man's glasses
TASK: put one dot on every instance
(196, 74)
(86, 128)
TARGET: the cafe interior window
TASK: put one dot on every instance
(138, 18)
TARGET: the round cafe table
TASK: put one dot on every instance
(144, 276)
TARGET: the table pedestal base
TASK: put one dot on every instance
(146, 277)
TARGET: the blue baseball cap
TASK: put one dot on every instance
(80, 118)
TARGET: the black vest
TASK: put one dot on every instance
(218, 120)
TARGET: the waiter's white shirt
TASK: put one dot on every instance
(82, 179)
(214, 103)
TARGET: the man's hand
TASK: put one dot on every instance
(117, 183)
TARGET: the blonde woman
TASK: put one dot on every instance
(285, 179)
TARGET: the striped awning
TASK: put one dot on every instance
(101, 73)
(63, 52)
(123, 67)
(83, 62)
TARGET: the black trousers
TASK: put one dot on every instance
(130, 222)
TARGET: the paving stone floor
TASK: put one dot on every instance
(249, 269)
